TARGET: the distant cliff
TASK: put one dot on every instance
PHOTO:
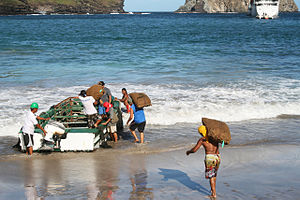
(241, 6)
(14, 7)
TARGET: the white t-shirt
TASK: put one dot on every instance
(88, 104)
(29, 123)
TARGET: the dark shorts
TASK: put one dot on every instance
(140, 126)
(28, 139)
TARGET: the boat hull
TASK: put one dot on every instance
(74, 141)
(264, 9)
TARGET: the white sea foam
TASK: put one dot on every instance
(171, 103)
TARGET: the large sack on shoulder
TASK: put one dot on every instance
(141, 100)
(94, 91)
(217, 131)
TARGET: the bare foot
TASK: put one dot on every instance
(136, 141)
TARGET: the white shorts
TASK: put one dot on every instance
(112, 128)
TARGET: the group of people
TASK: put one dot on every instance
(106, 113)
(108, 117)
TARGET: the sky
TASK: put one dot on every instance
(159, 5)
(153, 5)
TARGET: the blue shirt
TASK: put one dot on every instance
(139, 115)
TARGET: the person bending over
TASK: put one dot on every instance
(111, 121)
(88, 103)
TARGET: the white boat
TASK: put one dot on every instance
(264, 9)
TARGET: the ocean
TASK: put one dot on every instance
(229, 67)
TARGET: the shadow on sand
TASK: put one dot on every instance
(184, 179)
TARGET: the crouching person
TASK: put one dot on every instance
(88, 103)
(29, 124)
(111, 121)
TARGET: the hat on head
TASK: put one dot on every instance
(202, 130)
(82, 93)
(34, 105)
(101, 83)
(107, 106)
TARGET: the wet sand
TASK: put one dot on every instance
(246, 172)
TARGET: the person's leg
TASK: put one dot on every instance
(114, 131)
(132, 127)
(134, 135)
(30, 150)
(142, 137)
(141, 128)
(212, 182)
(115, 136)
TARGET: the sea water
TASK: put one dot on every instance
(229, 67)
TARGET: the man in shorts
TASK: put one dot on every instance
(138, 122)
(111, 121)
(29, 124)
(212, 158)
(88, 103)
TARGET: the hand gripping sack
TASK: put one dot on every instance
(217, 131)
(141, 100)
(94, 91)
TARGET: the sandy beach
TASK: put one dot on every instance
(246, 172)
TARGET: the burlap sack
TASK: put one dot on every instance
(217, 131)
(94, 91)
(141, 100)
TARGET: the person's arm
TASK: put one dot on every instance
(42, 118)
(109, 97)
(124, 98)
(130, 117)
(105, 123)
(195, 148)
(40, 127)
(98, 122)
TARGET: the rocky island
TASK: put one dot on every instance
(15, 7)
(221, 6)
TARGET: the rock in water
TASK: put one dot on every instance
(240, 6)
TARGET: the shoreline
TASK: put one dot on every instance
(245, 173)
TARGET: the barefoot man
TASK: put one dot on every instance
(139, 122)
(29, 124)
(212, 158)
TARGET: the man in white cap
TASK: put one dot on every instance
(29, 124)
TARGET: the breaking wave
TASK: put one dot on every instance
(172, 103)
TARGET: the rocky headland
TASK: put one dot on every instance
(15, 7)
(220, 6)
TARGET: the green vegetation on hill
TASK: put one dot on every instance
(60, 6)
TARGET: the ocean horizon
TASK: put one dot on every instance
(230, 67)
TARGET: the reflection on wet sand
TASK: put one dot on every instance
(88, 176)
(29, 182)
(138, 179)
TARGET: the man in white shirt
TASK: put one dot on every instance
(88, 103)
(29, 124)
